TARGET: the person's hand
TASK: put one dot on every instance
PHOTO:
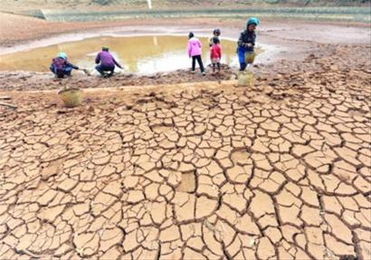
(249, 44)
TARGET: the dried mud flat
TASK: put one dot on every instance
(193, 171)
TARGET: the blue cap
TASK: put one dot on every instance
(62, 55)
(253, 20)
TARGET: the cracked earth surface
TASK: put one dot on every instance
(202, 171)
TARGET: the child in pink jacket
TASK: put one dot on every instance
(194, 51)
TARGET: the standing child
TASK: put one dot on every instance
(194, 52)
(216, 33)
(215, 54)
(246, 43)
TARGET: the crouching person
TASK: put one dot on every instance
(61, 67)
(106, 63)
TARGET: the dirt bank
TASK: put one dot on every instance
(17, 29)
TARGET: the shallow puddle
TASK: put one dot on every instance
(139, 54)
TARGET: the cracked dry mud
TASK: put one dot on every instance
(209, 171)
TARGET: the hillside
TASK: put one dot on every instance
(11, 5)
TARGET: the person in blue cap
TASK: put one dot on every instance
(61, 67)
(246, 42)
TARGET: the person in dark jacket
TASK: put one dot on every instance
(61, 67)
(106, 63)
(246, 42)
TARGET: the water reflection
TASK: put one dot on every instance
(139, 54)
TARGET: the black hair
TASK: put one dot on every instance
(190, 35)
(216, 40)
(216, 31)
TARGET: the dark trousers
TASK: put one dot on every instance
(243, 66)
(104, 69)
(199, 61)
(216, 65)
(61, 73)
(241, 58)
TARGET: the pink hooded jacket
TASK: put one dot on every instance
(194, 47)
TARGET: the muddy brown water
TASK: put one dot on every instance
(138, 54)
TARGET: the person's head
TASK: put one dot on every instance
(252, 22)
(105, 49)
(216, 40)
(216, 32)
(190, 35)
(62, 55)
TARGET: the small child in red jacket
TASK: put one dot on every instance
(215, 54)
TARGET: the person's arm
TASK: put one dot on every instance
(71, 65)
(240, 42)
(117, 64)
(220, 52)
(189, 49)
(97, 59)
(253, 39)
(52, 64)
